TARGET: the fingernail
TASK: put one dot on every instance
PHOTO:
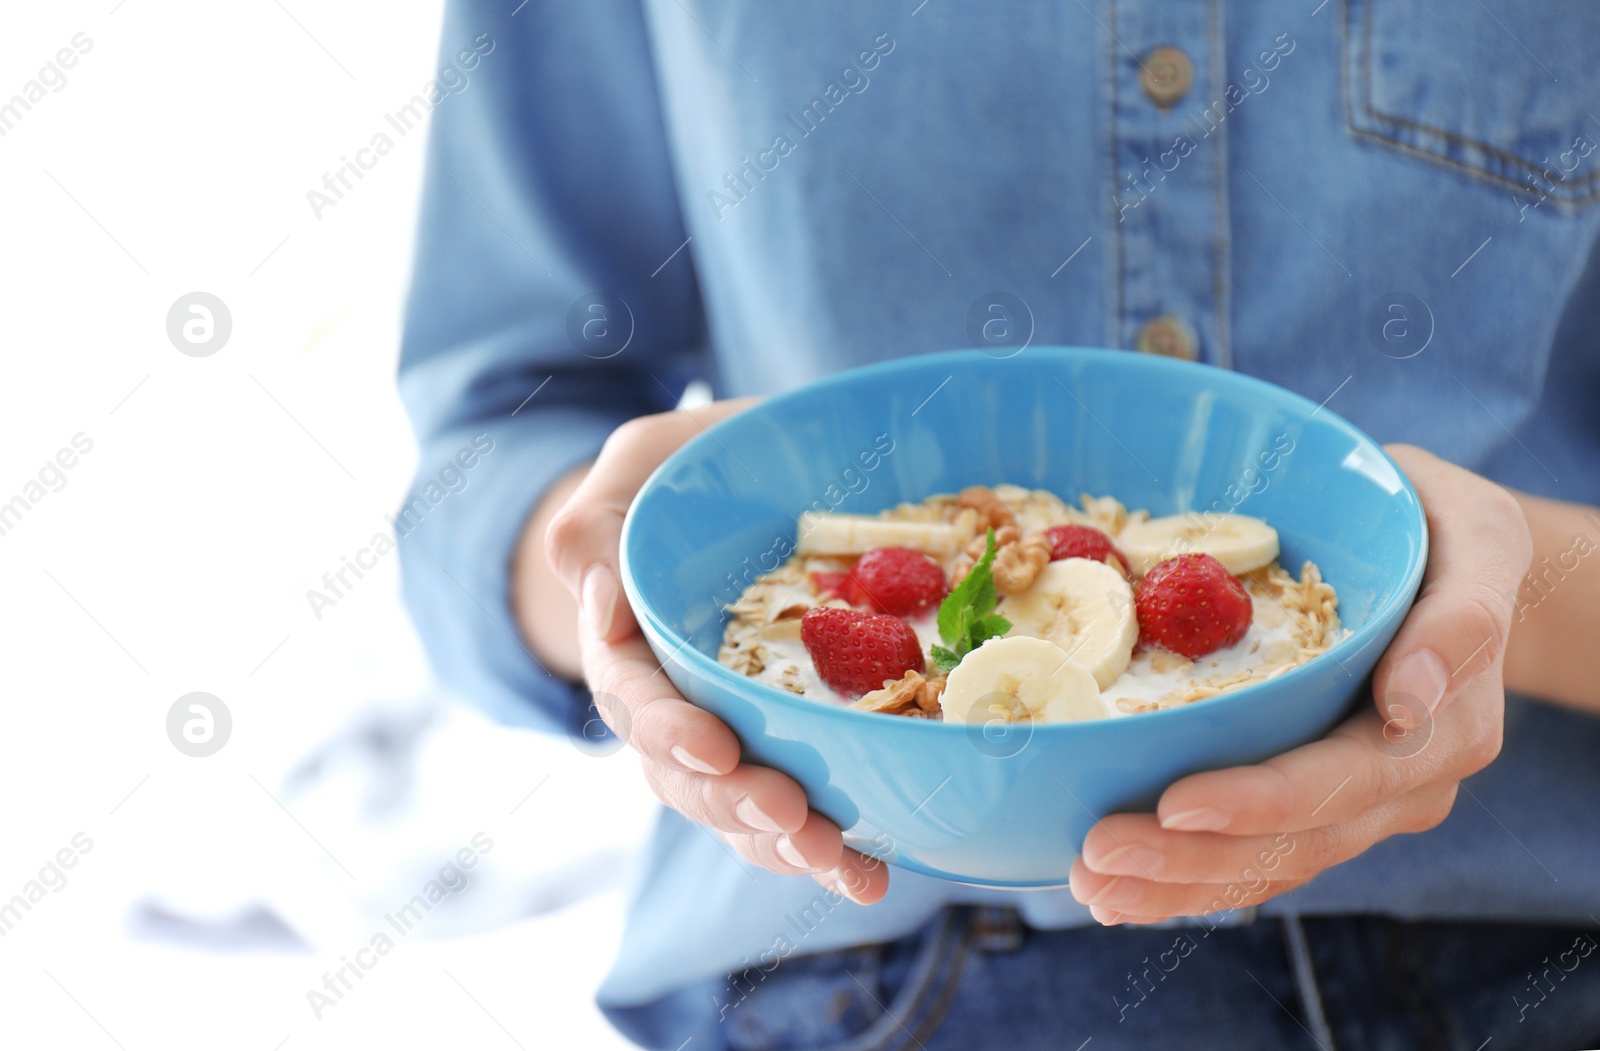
(1421, 675)
(1106, 916)
(833, 880)
(681, 754)
(599, 598)
(844, 888)
(747, 811)
(1200, 820)
(788, 852)
(1134, 860)
(1119, 891)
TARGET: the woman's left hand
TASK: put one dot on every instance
(1234, 838)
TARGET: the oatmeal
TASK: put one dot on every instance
(1008, 603)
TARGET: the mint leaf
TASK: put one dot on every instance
(966, 617)
(953, 620)
(989, 626)
(974, 596)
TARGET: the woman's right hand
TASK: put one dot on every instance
(690, 758)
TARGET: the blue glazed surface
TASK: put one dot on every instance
(1169, 436)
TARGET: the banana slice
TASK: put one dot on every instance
(1239, 542)
(1084, 607)
(1016, 679)
(827, 533)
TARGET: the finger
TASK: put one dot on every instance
(749, 799)
(1357, 767)
(1107, 917)
(1479, 550)
(1136, 844)
(1111, 918)
(862, 879)
(637, 700)
(1130, 897)
(1325, 782)
(816, 847)
(581, 541)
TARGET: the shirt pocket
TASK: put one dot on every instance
(1504, 96)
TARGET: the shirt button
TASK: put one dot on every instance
(1168, 336)
(1166, 74)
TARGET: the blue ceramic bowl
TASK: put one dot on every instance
(1009, 806)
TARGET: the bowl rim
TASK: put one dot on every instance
(679, 647)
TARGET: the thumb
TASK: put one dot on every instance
(582, 546)
(1459, 627)
(582, 541)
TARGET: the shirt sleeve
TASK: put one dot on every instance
(540, 315)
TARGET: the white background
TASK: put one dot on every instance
(178, 555)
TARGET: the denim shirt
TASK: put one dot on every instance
(1389, 206)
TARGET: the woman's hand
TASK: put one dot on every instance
(1233, 838)
(690, 758)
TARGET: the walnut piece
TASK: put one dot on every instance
(910, 695)
(1017, 559)
(1018, 563)
(993, 512)
(1007, 534)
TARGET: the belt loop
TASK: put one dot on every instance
(996, 928)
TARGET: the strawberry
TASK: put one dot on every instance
(1192, 606)
(856, 653)
(1081, 541)
(897, 580)
(836, 585)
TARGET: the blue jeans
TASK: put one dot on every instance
(977, 978)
